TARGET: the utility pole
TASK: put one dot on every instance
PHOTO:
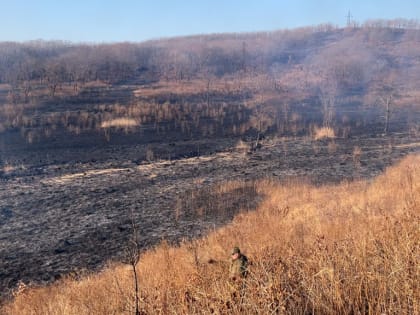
(349, 19)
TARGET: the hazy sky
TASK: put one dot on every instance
(131, 20)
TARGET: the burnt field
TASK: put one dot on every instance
(79, 215)
(74, 179)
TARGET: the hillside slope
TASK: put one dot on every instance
(351, 248)
(94, 137)
(59, 96)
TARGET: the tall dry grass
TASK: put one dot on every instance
(323, 133)
(119, 123)
(352, 248)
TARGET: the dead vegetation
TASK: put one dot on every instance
(351, 248)
(324, 133)
(215, 85)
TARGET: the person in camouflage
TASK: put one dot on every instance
(238, 265)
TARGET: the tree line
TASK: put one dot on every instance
(267, 77)
(23, 65)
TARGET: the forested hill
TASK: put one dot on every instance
(356, 59)
(220, 85)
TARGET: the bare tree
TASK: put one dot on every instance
(133, 257)
(328, 97)
(383, 93)
(387, 99)
(55, 76)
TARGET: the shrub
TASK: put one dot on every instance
(324, 132)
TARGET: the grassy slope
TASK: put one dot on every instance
(353, 248)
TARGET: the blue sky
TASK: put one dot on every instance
(130, 20)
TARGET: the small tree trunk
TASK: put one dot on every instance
(133, 255)
(387, 115)
(136, 288)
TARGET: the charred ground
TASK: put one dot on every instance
(83, 157)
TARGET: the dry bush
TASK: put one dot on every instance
(119, 123)
(324, 132)
(242, 146)
(12, 115)
(8, 168)
(332, 147)
(218, 201)
(352, 248)
(357, 153)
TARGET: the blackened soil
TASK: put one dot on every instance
(68, 216)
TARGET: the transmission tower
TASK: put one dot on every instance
(349, 18)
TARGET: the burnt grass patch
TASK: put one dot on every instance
(77, 214)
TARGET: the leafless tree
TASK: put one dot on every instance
(133, 257)
(328, 98)
(383, 92)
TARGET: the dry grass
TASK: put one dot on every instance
(8, 168)
(210, 84)
(242, 146)
(353, 248)
(120, 123)
(324, 132)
